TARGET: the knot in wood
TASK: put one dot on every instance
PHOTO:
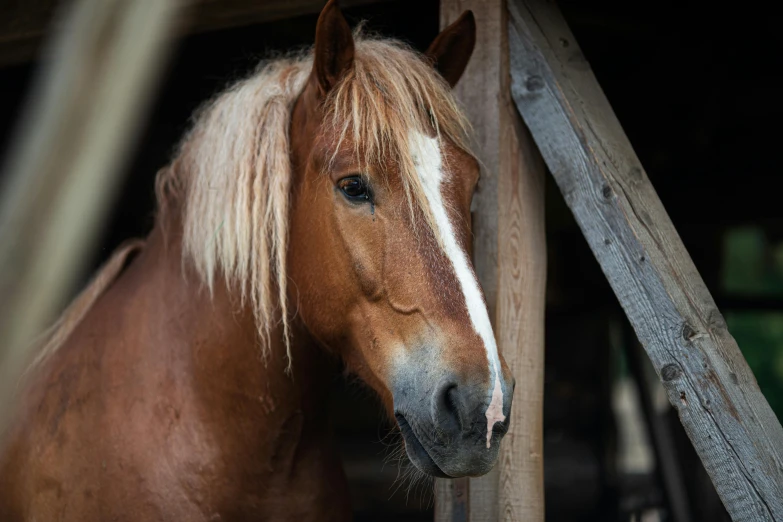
(534, 83)
(670, 372)
(607, 192)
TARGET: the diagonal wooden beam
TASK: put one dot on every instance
(734, 431)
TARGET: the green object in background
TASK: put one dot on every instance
(751, 265)
(760, 337)
(754, 267)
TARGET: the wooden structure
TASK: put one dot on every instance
(736, 434)
(734, 431)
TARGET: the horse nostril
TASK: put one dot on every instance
(447, 414)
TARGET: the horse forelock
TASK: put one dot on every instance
(231, 177)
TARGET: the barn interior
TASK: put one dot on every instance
(694, 89)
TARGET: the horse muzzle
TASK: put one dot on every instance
(444, 423)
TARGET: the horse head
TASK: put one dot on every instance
(380, 239)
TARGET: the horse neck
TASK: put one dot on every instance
(252, 397)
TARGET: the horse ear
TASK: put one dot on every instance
(333, 47)
(451, 49)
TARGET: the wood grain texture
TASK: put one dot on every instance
(520, 316)
(510, 260)
(23, 24)
(733, 429)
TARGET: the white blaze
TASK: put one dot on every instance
(429, 165)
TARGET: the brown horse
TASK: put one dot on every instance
(318, 210)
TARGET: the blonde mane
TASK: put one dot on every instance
(232, 174)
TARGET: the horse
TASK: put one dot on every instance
(316, 214)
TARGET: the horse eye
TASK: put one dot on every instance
(354, 188)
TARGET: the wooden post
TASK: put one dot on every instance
(510, 260)
(733, 429)
(64, 167)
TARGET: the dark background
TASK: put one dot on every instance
(694, 87)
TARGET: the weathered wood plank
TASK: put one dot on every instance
(520, 317)
(733, 429)
(65, 164)
(510, 259)
(24, 24)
